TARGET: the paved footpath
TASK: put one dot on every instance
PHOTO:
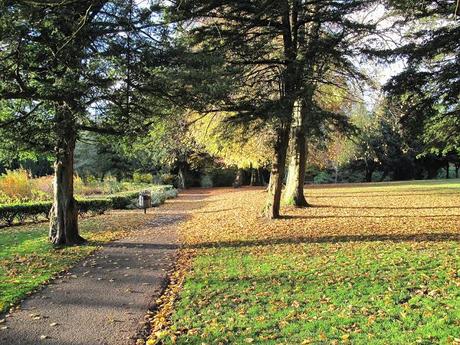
(104, 298)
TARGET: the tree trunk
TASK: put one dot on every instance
(238, 178)
(64, 213)
(369, 171)
(447, 170)
(260, 177)
(294, 192)
(431, 172)
(272, 206)
(254, 181)
(181, 179)
(369, 174)
(457, 167)
(289, 86)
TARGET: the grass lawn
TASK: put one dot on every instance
(368, 264)
(27, 259)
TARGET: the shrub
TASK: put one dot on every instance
(5, 199)
(158, 197)
(91, 187)
(323, 177)
(223, 177)
(164, 187)
(43, 185)
(142, 177)
(111, 185)
(15, 184)
(206, 181)
(21, 212)
(94, 206)
(34, 211)
(122, 201)
(171, 193)
(127, 200)
(168, 179)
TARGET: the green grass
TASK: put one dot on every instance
(27, 259)
(369, 264)
(321, 293)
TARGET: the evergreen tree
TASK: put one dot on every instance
(428, 89)
(68, 67)
(265, 41)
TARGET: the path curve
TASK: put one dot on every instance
(104, 298)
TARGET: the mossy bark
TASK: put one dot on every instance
(273, 204)
(64, 213)
(181, 183)
(294, 191)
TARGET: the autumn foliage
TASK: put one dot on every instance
(367, 263)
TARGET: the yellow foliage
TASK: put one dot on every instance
(43, 184)
(243, 149)
(15, 185)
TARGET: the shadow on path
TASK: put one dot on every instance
(103, 299)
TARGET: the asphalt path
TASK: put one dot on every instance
(104, 298)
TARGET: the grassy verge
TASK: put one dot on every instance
(375, 264)
(322, 293)
(27, 259)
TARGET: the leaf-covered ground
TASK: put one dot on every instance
(27, 259)
(368, 264)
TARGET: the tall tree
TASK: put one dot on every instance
(68, 67)
(265, 41)
(428, 89)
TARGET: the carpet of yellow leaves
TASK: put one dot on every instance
(420, 213)
(390, 211)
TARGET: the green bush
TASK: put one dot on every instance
(20, 212)
(163, 187)
(206, 181)
(171, 193)
(168, 179)
(34, 211)
(142, 177)
(158, 197)
(128, 200)
(94, 206)
(323, 177)
(223, 177)
(123, 201)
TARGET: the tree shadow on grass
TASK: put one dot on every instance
(388, 207)
(369, 216)
(421, 237)
(375, 195)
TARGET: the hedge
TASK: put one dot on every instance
(34, 211)
(22, 211)
(94, 206)
(128, 200)
(123, 201)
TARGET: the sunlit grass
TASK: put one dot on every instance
(369, 264)
(27, 259)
